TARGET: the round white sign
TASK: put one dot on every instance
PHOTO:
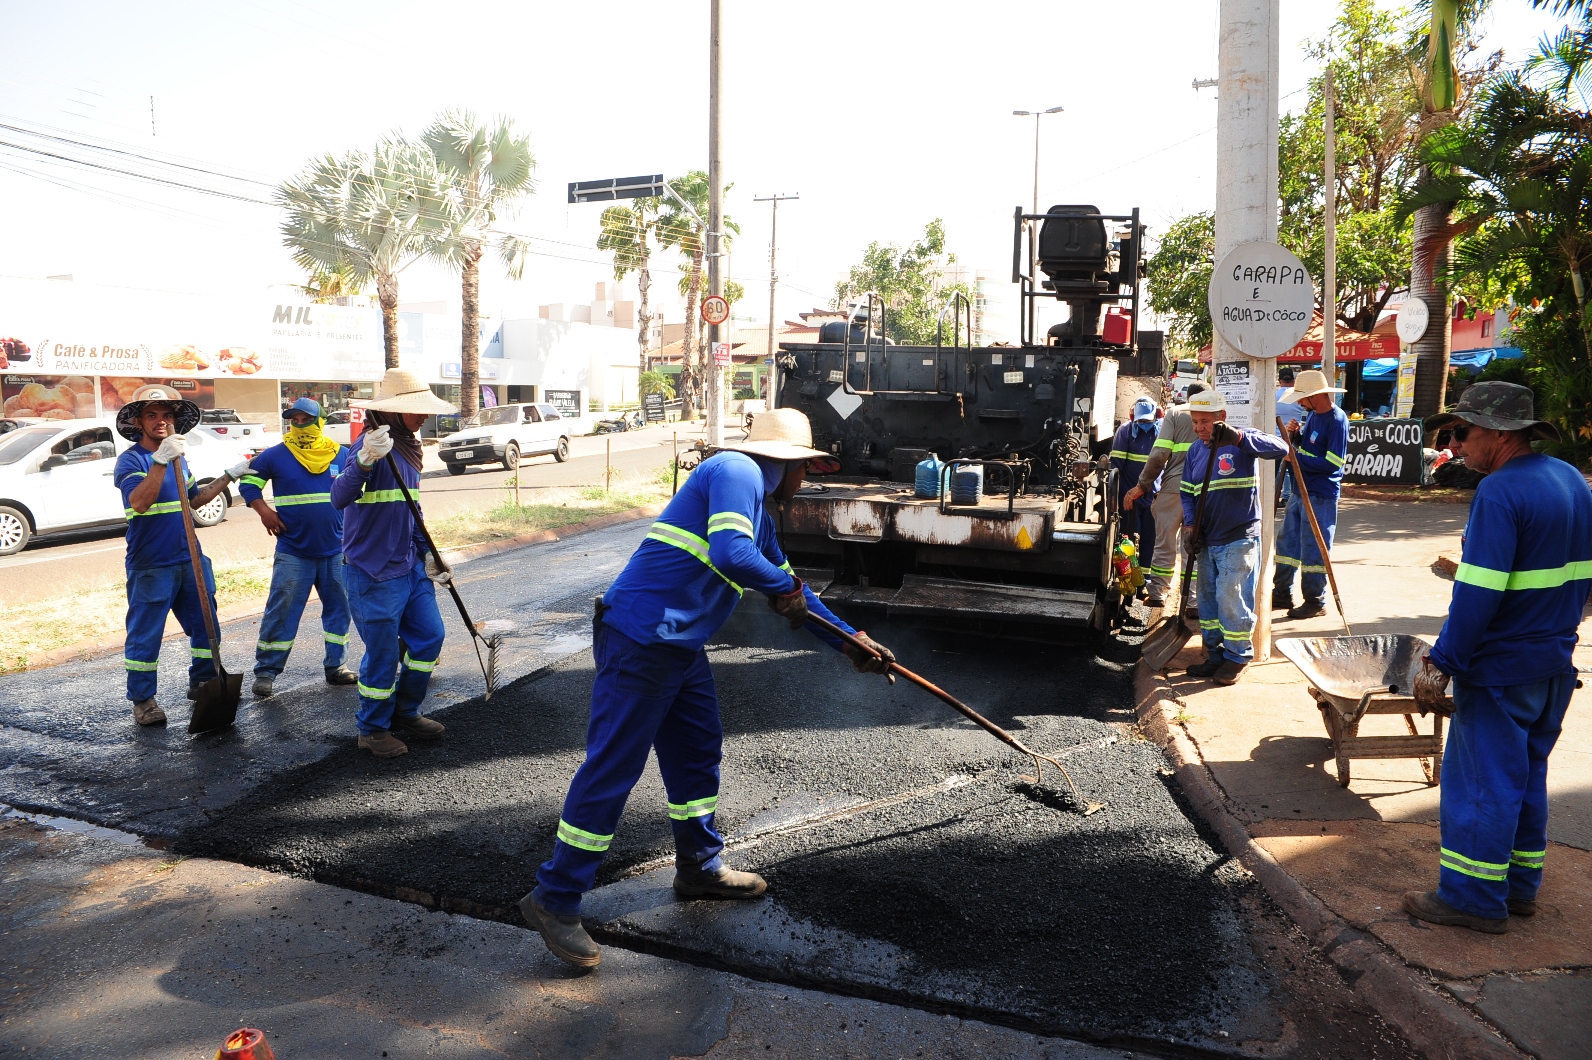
(715, 310)
(1413, 320)
(1261, 299)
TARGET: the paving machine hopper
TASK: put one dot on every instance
(1032, 555)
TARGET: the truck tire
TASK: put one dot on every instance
(561, 454)
(15, 533)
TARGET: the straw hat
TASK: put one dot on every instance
(401, 390)
(780, 434)
(1309, 384)
(185, 412)
(1207, 401)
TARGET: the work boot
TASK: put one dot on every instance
(1425, 905)
(564, 935)
(1207, 668)
(419, 727)
(1282, 600)
(1522, 907)
(193, 690)
(383, 744)
(726, 883)
(1155, 603)
(1308, 609)
(341, 675)
(1229, 672)
(262, 685)
(148, 712)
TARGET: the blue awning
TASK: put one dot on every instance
(1380, 368)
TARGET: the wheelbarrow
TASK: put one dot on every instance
(1351, 677)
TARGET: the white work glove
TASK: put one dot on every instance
(171, 449)
(436, 573)
(237, 471)
(378, 443)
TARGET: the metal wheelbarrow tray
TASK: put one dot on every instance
(1351, 677)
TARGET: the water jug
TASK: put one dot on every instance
(926, 483)
(967, 484)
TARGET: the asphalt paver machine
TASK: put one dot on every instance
(1032, 554)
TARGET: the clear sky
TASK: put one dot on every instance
(880, 115)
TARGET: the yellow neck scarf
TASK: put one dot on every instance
(310, 447)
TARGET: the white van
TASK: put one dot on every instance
(504, 434)
(55, 476)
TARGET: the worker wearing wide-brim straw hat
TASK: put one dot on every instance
(388, 574)
(654, 688)
(160, 575)
(1321, 442)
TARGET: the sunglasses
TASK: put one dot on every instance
(1459, 434)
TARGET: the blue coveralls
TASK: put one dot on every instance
(1523, 579)
(160, 578)
(654, 688)
(1229, 540)
(309, 554)
(1130, 449)
(1323, 444)
(388, 591)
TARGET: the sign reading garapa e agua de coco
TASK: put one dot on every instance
(1261, 299)
(1387, 451)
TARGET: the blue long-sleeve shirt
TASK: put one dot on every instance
(313, 526)
(1524, 575)
(155, 538)
(1130, 451)
(1232, 508)
(379, 535)
(1322, 447)
(715, 540)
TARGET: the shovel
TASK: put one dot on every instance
(215, 703)
(962, 708)
(1315, 527)
(1163, 642)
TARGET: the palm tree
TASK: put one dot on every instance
(678, 228)
(628, 232)
(486, 167)
(369, 216)
(329, 285)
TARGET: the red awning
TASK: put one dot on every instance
(1347, 346)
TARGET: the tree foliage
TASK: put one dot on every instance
(1178, 275)
(911, 281)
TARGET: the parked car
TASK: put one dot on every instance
(226, 423)
(339, 427)
(504, 434)
(55, 476)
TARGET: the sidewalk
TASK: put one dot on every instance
(1261, 750)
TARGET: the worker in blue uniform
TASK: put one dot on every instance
(1524, 574)
(1227, 537)
(654, 688)
(1321, 442)
(309, 543)
(160, 576)
(1130, 451)
(391, 580)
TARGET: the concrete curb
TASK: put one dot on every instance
(84, 650)
(1400, 994)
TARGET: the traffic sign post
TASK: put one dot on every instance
(1261, 300)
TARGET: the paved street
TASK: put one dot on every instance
(54, 565)
(909, 860)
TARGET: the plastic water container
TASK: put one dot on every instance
(967, 484)
(926, 482)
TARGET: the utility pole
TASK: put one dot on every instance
(1329, 279)
(773, 283)
(714, 390)
(1246, 212)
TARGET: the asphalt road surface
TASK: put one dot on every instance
(53, 565)
(909, 859)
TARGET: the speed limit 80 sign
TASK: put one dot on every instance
(1261, 299)
(715, 310)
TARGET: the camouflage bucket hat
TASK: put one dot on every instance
(1497, 406)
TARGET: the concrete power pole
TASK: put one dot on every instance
(1329, 278)
(714, 391)
(1246, 212)
(773, 283)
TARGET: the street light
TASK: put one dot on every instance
(1037, 114)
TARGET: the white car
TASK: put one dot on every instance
(55, 476)
(504, 434)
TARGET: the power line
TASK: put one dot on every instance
(133, 173)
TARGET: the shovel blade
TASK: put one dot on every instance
(1165, 641)
(215, 705)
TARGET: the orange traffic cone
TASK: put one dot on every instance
(245, 1044)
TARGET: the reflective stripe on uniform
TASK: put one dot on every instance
(686, 540)
(684, 811)
(382, 496)
(304, 498)
(1165, 572)
(252, 480)
(1222, 484)
(376, 693)
(1210, 623)
(1482, 870)
(730, 521)
(158, 508)
(201, 653)
(1334, 459)
(1527, 859)
(336, 638)
(1551, 578)
(273, 645)
(140, 667)
(416, 664)
(579, 837)
(1167, 443)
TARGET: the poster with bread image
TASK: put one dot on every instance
(229, 360)
(116, 391)
(47, 397)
